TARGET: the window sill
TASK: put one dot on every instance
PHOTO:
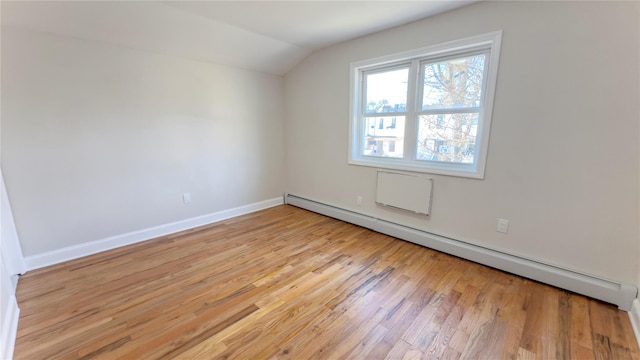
(457, 170)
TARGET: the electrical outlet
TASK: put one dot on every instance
(359, 200)
(186, 198)
(503, 225)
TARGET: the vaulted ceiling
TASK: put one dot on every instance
(267, 36)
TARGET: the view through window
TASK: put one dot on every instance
(428, 110)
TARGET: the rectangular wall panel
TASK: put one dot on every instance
(404, 191)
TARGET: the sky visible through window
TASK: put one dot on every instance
(387, 87)
(390, 87)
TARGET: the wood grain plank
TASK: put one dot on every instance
(285, 283)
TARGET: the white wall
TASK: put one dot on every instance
(10, 311)
(563, 162)
(12, 257)
(99, 140)
(11, 264)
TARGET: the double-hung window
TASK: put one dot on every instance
(426, 110)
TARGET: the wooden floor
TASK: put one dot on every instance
(287, 283)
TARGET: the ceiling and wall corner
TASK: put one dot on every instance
(316, 24)
(267, 36)
(155, 27)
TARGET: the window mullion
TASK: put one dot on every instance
(450, 111)
(411, 121)
(383, 114)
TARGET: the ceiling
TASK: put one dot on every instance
(267, 36)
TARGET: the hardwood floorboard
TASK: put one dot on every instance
(285, 283)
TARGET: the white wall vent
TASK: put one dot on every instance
(406, 191)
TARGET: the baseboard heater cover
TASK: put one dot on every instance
(616, 293)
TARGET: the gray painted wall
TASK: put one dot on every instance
(99, 140)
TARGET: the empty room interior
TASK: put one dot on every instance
(320, 179)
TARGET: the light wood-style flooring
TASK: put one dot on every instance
(285, 283)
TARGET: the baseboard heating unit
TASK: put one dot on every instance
(612, 292)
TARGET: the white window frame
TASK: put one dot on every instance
(488, 43)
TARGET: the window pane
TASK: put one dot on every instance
(386, 91)
(384, 136)
(447, 137)
(453, 83)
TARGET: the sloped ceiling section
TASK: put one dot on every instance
(266, 36)
(155, 27)
(316, 24)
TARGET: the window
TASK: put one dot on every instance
(433, 104)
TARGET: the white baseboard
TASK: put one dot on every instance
(634, 317)
(93, 247)
(9, 329)
(609, 291)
